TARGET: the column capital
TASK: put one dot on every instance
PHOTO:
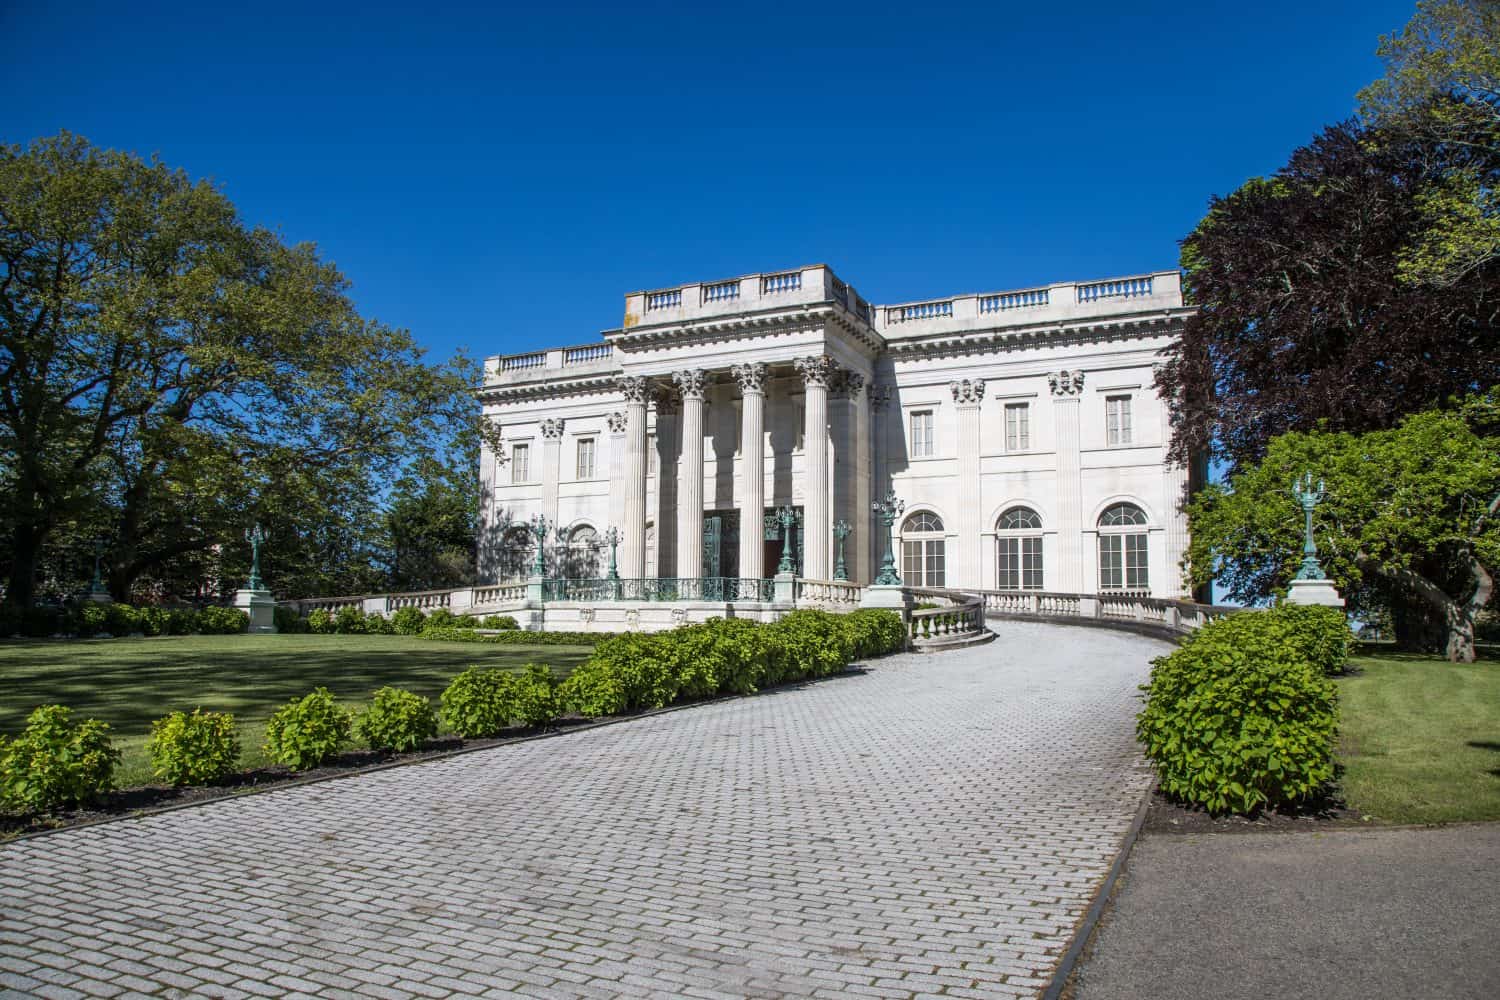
(967, 392)
(880, 396)
(819, 370)
(846, 384)
(617, 422)
(751, 377)
(635, 388)
(552, 428)
(1066, 383)
(691, 382)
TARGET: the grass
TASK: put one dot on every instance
(1420, 738)
(131, 682)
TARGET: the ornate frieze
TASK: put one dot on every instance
(552, 428)
(616, 422)
(1066, 383)
(691, 382)
(819, 370)
(967, 392)
(635, 388)
(751, 377)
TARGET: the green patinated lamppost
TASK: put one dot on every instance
(256, 536)
(786, 517)
(612, 539)
(888, 509)
(539, 527)
(841, 530)
(97, 590)
(1309, 497)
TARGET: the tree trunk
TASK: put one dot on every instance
(25, 551)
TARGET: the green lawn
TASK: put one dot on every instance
(1420, 738)
(130, 682)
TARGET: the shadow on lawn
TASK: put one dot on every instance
(1487, 745)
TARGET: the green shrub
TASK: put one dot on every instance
(876, 632)
(153, 620)
(533, 696)
(594, 688)
(519, 638)
(288, 622)
(817, 643)
(91, 619)
(645, 667)
(442, 619)
(121, 619)
(180, 622)
(308, 730)
(1321, 634)
(222, 621)
(1238, 718)
(349, 621)
(379, 625)
(56, 762)
(194, 749)
(500, 622)
(397, 720)
(478, 703)
(408, 621)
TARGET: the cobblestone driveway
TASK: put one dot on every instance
(935, 826)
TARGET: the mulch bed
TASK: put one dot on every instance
(1163, 816)
(146, 798)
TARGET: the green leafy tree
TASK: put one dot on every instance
(1412, 516)
(169, 374)
(433, 521)
(1442, 84)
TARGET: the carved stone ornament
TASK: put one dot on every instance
(552, 428)
(967, 392)
(691, 382)
(616, 422)
(751, 377)
(819, 370)
(634, 387)
(1066, 383)
(586, 615)
(666, 402)
(632, 619)
(880, 397)
(679, 616)
(854, 384)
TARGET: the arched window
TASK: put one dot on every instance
(582, 557)
(922, 551)
(1122, 550)
(516, 549)
(1019, 543)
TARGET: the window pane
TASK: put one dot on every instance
(1117, 419)
(1136, 577)
(1110, 577)
(911, 563)
(1031, 563)
(520, 466)
(1017, 427)
(1010, 564)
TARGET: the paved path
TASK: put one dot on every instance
(937, 824)
(1343, 915)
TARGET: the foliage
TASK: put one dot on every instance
(478, 703)
(498, 622)
(1300, 306)
(378, 624)
(288, 622)
(443, 619)
(222, 621)
(320, 621)
(516, 638)
(308, 730)
(1409, 511)
(408, 621)
(432, 525)
(397, 720)
(195, 749)
(56, 762)
(1237, 718)
(1320, 635)
(1442, 83)
(169, 374)
(349, 621)
(533, 695)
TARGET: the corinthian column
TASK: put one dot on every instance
(690, 487)
(816, 372)
(633, 545)
(752, 380)
(552, 433)
(1067, 388)
(968, 395)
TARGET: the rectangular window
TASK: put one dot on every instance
(520, 463)
(585, 458)
(1117, 420)
(922, 444)
(1123, 563)
(1020, 564)
(1017, 427)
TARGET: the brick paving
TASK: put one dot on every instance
(934, 827)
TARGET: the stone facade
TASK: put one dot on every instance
(1022, 430)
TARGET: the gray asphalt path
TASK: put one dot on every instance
(1359, 914)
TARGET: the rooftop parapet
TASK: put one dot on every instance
(752, 293)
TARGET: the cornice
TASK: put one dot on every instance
(1137, 326)
(562, 386)
(809, 318)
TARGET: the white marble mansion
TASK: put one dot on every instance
(1020, 429)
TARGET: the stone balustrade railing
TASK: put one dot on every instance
(838, 595)
(585, 357)
(957, 618)
(457, 599)
(1137, 612)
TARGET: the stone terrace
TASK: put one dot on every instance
(938, 824)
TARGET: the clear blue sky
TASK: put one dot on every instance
(497, 178)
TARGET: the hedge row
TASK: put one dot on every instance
(56, 762)
(91, 620)
(405, 621)
(1242, 715)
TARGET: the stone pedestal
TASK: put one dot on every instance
(784, 589)
(261, 607)
(890, 596)
(1314, 592)
(534, 590)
